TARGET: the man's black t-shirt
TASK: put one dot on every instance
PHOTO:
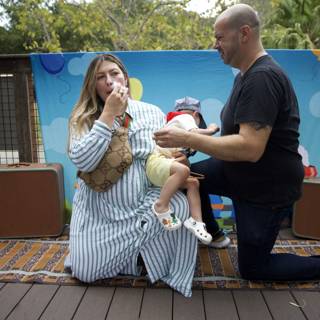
(265, 95)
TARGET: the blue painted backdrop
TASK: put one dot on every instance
(160, 77)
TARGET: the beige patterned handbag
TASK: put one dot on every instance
(114, 163)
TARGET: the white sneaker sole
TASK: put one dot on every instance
(188, 225)
(220, 244)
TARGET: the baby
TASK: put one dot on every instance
(164, 171)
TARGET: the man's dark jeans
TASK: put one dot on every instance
(257, 230)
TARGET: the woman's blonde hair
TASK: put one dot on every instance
(89, 106)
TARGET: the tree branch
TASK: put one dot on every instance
(150, 15)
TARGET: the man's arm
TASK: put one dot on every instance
(248, 145)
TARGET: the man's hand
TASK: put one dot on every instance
(171, 137)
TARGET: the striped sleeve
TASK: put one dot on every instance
(87, 151)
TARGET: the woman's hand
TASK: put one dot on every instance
(171, 137)
(115, 104)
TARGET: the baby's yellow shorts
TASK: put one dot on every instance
(158, 168)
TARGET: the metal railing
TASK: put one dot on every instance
(20, 131)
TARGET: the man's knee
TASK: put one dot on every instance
(252, 260)
(249, 271)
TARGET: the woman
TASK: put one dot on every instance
(110, 229)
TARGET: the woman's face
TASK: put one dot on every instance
(107, 76)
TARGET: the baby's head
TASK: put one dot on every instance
(191, 106)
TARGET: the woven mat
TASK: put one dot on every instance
(41, 261)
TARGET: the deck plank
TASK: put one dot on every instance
(188, 308)
(126, 304)
(64, 303)
(280, 307)
(157, 304)
(34, 302)
(10, 296)
(95, 303)
(219, 304)
(251, 305)
(25, 301)
(309, 302)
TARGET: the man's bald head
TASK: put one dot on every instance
(239, 15)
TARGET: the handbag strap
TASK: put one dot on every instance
(125, 120)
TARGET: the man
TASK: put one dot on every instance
(255, 161)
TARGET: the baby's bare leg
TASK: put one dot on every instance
(195, 224)
(193, 195)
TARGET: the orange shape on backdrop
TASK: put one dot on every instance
(316, 52)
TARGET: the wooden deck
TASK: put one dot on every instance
(26, 301)
(36, 301)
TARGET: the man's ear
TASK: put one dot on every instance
(245, 31)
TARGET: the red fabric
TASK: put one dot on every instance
(173, 114)
(310, 172)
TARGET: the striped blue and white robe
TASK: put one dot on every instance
(109, 229)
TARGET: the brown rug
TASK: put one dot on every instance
(41, 261)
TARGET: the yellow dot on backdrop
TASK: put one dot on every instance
(136, 88)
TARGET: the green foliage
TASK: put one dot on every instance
(109, 25)
(263, 8)
(10, 42)
(293, 24)
(102, 25)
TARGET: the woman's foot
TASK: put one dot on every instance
(198, 229)
(168, 219)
